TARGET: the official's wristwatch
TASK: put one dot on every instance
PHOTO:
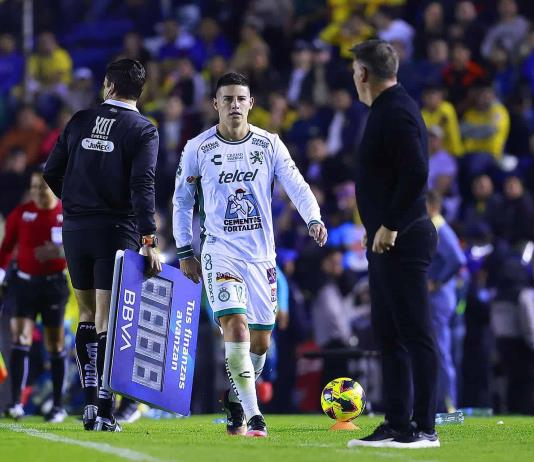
(150, 241)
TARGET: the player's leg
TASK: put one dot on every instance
(53, 314)
(226, 294)
(21, 341)
(80, 266)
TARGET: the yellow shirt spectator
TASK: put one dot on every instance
(50, 64)
(444, 116)
(486, 130)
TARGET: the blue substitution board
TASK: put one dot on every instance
(152, 335)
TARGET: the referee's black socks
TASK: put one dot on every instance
(58, 366)
(19, 367)
(105, 398)
(86, 353)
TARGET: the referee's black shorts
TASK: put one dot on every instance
(90, 253)
(47, 295)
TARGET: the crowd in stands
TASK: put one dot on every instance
(470, 65)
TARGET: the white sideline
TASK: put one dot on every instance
(101, 447)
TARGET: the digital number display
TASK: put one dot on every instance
(152, 331)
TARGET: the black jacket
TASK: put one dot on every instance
(103, 168)
(392, 164)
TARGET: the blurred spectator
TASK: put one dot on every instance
(173, 42)
(486, 123)
(503, 73)
(446, 263)
(11, 64)
(263, 77)
(437, 112)
(186, 82)
(433, 28)
(310, 123)
(301, 78)
(27, 134)
(527, 69)
(346, 124)
(278, 118)
(484, 209)
(517, 214)
(442, 170)
(346, 34)
(391, 28)
(14, 178)
(215, 68)
(528, 173)
(430, 70)
(276, 17)
(132, 47)
(330, 312)
(467, 27)
(461, 74)
(50, 139)
(153, 96)
(81, 93)
(211, 43)
(50, 65)
(251, 41)
(509, 32)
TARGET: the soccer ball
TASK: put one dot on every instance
(343, 399)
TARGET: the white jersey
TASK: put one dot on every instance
(234, 182)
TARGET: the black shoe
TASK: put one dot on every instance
(104, 424)
(383, 434)
(89, 416)
(256, 427)
(56, 415)
(235, 417)
(415, 439)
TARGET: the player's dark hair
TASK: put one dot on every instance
(379, 57)
(232, 78)
(128, 77)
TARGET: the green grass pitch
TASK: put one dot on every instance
(291, 439)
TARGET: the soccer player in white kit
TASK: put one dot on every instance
(232, 167)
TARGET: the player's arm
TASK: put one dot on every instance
(183, 203)
(298, 191)
(143, 193)
(56, 164)
(9, 242)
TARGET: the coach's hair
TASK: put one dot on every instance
(232, 78)
(379, 57)
(128, 76)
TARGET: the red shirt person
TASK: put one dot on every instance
(33, 230)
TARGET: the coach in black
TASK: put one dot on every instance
(103, 168)
(391, 177)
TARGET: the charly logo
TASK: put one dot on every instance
(216, 159)
(97, 145)
(256, 156)
(208, 265)
(224, 295)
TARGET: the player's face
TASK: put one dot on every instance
(40, 193)
(233, 103)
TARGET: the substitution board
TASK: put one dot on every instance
(152, 334)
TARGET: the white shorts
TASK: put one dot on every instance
(239, 287)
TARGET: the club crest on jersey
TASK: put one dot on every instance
(242, 213)
(256, 156)
(224, 295)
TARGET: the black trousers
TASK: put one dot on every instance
(402, 327)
